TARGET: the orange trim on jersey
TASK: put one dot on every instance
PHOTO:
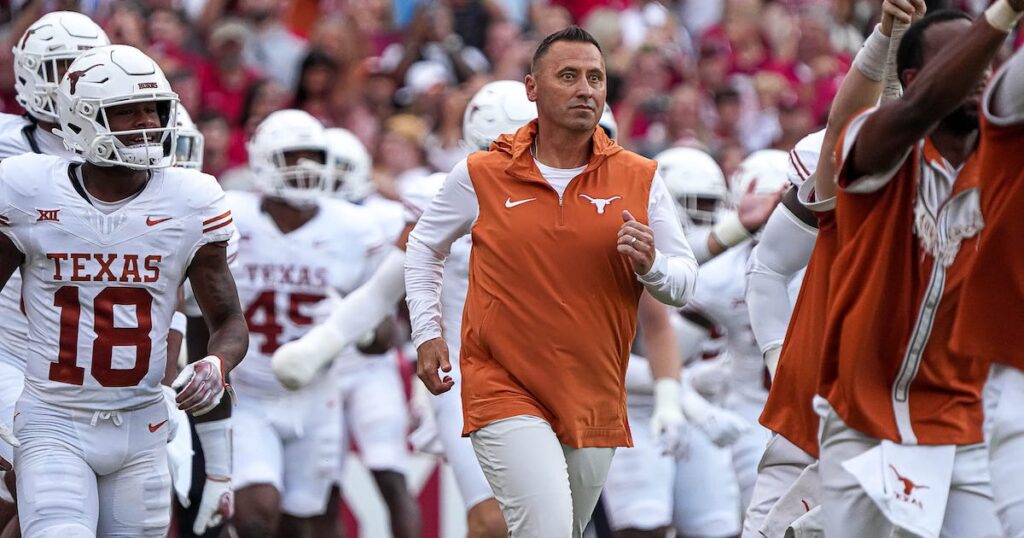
(218, 217)
(219, 226)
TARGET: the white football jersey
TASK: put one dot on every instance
(721, 296)
(281, 277)
(99, 290)
(18, 135)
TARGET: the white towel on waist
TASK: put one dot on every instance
(908, 483)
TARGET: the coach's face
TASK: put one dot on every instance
(569, 85)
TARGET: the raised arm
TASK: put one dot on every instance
(861, 87)
(938, 89)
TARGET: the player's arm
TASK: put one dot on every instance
(784, 249)
(889, 133)
(734, 227)
(862, 86)
(449, 216)
(202, 383)
(221, 341)
(1005, 100)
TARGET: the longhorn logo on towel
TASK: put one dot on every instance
(909, 486)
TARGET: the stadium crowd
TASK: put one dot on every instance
(728, 76)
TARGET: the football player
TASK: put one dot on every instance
(41, 56)
(296, 242)
(908, 218)
(102, 246)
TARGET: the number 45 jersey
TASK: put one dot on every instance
(282, 276)
(100, 289)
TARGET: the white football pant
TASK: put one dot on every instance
(1004, 402)
(92, 473)
(292, 443)
(851, 513)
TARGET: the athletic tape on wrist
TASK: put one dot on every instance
(870, 59)
(1002, 16)
(730, 232)
(215, 438)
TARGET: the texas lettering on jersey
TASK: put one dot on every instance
(279, 274)
(113, 267)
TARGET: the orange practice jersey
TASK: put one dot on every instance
(551, 308)
(988, 324)
(905, 240)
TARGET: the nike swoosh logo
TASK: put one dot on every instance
(154, 427)
(150, 221)
(510, 204)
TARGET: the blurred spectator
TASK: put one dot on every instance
(316, 77)
(430, 38)
(271, 47)
(401, 154)
(217, 135)
(224, 80)
(261, 98)
(728, 76)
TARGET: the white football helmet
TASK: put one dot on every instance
(348, 164)
(770, 167)
(189, 149)
(499, 107)
(51, 42)
(282, 132)
(608, 123)
(696, 183)
(108, 77)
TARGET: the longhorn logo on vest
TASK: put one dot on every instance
(909, 486)
(600, 203)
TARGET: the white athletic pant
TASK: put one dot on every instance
(376, 414)
(91, 473)
(545, 489)
(849, 512)
(292, 443)
(748, 449)
(1004, 401)
(780, 466)
(638, 491)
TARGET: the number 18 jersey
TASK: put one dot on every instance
(100, 289)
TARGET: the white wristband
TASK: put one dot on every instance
(666, 392)
(179, 322)
(1002, 16)
(729, 231)
(215, 437)
(870, 59)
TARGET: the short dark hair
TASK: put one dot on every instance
(572, 33)
(910, 55)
